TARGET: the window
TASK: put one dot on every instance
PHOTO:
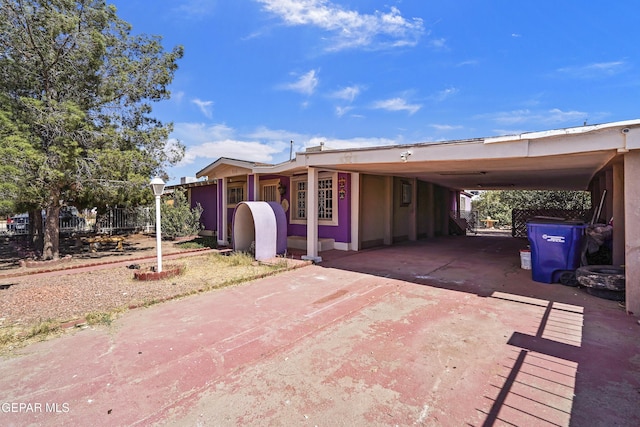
(406, 194)
(300, 207)
(327, 203)
(325, 199)
(269, 191)
(235, 195)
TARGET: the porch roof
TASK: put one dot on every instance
(556, 159)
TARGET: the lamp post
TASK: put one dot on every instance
(157, 185)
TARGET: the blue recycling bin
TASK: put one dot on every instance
(555, 247)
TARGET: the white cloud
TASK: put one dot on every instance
(558, 116)
(208, 143)
(446, 93)
(277, 135)
(212, 142)
(341, 111)
(445, 128)
(198, 132)
(438, 43)
(235, 149)
(348, 93)
(305, 85)
(350, 28)
(204, 106)
(595, 70)
(551, 117)
(194, 9)
(177, 97)
(468, 62)
(396, 104)
(337, 144)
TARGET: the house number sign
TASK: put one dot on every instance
(342, 188)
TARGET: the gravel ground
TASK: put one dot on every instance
(28, 300)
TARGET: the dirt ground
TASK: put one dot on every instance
(74, 251)
(86, 287)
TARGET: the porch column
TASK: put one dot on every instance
(355, 212)
(632, 230)
(608, 202)
(413, 212)
(312, 216)
(445, 208)
(223, 235)
(388, 226)
(430, 211)
(618, 250)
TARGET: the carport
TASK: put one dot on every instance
(593, 157)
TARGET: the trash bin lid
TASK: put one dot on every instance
(554, 220)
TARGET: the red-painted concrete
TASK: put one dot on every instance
(441, 332)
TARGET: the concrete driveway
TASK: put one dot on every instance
(444, 332)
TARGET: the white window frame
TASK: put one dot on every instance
(334, 198)
(232, 186)
(270, 183)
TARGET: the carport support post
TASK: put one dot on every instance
(632, 230)
(312, 216)
(618, 252)
(355, 212)
(608, 202)
(413, 215)
(430, 211)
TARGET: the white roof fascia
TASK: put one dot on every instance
(224, 161)
(560, 132)
(279, 168)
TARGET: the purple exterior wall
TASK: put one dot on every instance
(251, 188)
(207, 197)
(341, 232)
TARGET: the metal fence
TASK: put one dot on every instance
(519, 217)
(114, 221)
(120, 220)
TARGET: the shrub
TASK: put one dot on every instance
(178, 218)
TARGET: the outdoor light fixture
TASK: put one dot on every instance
(157, 185)
(405, 155)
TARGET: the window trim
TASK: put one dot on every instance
(233, 185)
(269, 182)
(334, 198)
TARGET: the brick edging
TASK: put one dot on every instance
(95, 264)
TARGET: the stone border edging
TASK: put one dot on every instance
(167, 272)
(95, 264)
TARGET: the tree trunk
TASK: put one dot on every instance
(51, 249)
(36, 230)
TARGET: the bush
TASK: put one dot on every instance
(199, 243)
(498, 203)
(178, 218)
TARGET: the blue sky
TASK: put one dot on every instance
(259, 73)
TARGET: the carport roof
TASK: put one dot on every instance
(555, 159)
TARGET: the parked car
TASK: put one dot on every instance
(69, 220)
(18, 223)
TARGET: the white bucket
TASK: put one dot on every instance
(525, 259)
